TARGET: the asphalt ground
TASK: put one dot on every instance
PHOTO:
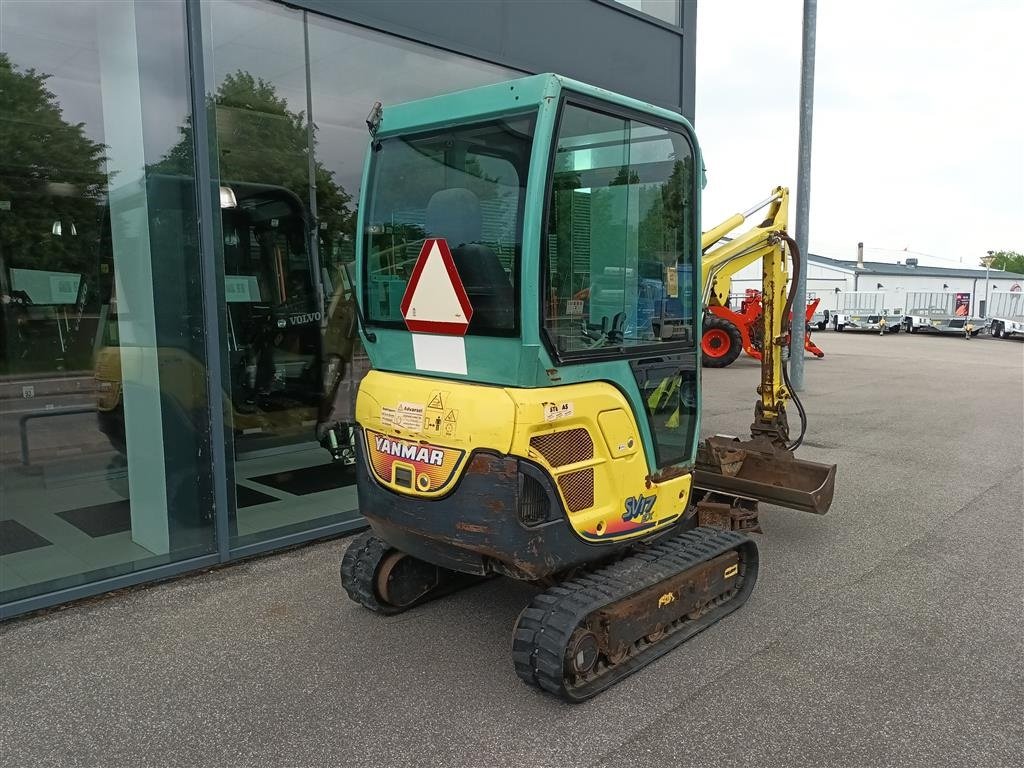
(888, 632)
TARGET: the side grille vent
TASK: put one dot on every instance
(534, 507)
(578, 489)
(566, 447)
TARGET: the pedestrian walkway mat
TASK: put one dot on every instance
(323, 477)
(101, 519)
(15, 537)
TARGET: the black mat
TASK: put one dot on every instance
(100, 520)
(15, 537)
(324, 477)
(248, 497)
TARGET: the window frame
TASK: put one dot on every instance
(623, 352)
(521, 216)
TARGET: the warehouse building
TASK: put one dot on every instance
(828, 278)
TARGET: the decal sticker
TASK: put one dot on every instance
(637, 516)
(387, 416)
(556, 411)
(436, 401)
(435, 414)
(640, 509)
(409, 416)
(451, 423)
(434, 462)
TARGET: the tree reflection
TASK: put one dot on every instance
(52, 190)
(261, 140)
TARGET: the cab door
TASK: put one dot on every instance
(620, 270)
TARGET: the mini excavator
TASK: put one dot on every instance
(529, 279)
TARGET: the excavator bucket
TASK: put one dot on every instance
(757, 469)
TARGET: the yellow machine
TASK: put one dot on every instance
(728, 331)
(528, 272)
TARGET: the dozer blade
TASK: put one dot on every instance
(757, 469)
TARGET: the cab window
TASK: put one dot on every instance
(465, 184)
(621, 236)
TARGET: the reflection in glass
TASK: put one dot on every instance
(103, 461)
(466, 185)
(290, 95)
(621, 269)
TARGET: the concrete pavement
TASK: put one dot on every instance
(888, 632)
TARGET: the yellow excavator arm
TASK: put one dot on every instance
(764, 467)
(765, 242)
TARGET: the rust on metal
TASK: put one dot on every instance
(767, 473)
(730, 513)
(471, 527)
(648, 612)
(668, 473)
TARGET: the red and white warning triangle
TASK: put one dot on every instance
(435, 300)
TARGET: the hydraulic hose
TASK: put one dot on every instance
(798, 265)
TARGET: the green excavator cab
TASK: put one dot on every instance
(572, 216)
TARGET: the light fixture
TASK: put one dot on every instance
(227, 198)
(57, 228)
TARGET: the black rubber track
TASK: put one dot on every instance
(359, 572)
(361, 562)
(542, 633)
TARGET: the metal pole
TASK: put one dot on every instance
(803, 193)
(988, 263)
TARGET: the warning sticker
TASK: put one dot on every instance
(387, 416)
(556, 411)
(432, 422)
(451, 423)
(409, 416)
(672, 281)
(437, 401)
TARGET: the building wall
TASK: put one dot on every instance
(602, 43)
(823, 280)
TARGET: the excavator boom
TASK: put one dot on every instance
(764, 467)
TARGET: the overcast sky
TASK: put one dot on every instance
(918, 122)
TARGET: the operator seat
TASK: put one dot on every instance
(454, 214)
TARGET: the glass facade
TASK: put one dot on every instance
(135, 318)
(290, 93)
(105, 466)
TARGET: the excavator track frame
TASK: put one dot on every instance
(587, 633)
(388, 581)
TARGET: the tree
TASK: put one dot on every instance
(1009, 261)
